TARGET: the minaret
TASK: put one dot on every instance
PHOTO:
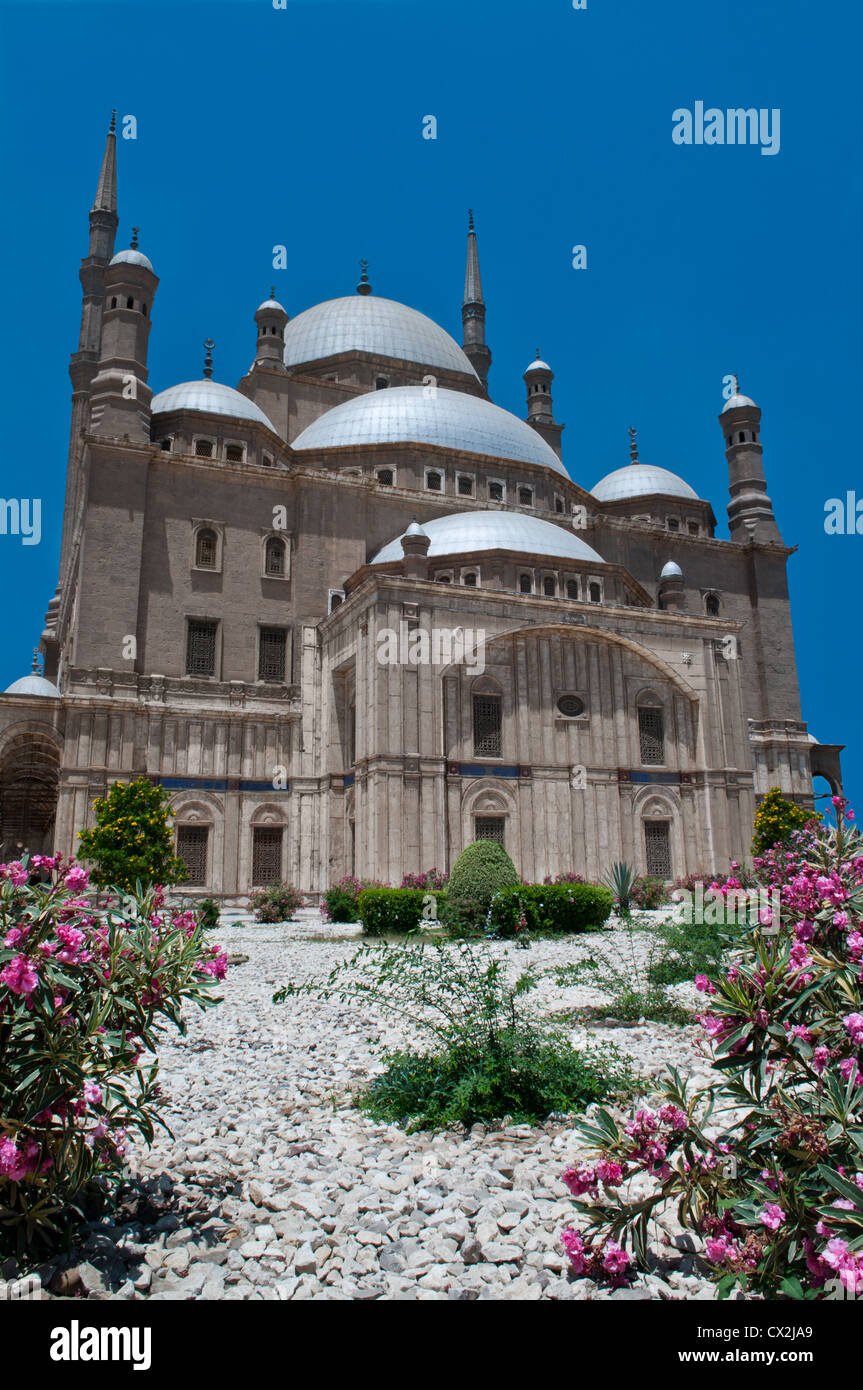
(750, 511)
(83, 365)
(120, 397)
(473, 311)
(271, 319)
(540, 412)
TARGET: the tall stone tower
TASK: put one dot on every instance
(473, 311)
(540, 411)
(119, 395)
(750, 511)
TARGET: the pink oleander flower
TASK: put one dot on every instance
(820, 1058)
(704, 985)
(19, 976)
(771, 1216)
(12, 1162)
(76, 878)
(673, 1116)
(614, 1260)
(580, 1180)
(609, 1173)
(849, 1071)
(854, 1026)
(574, 1247)
(92, 1093)
(720, 1249)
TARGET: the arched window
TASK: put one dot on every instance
(711, 606)
(548, 586)
(336, 600)
(741, 438)
(443, 578)
(470, 580)
(113, 301)
(203, 448)
(558, 504)
(571, 588)
(525, 584)
(130, 303)
(274, 557)
(433, 482)
(651, 732)
(595, 593)
(385, 477)
(487, 726)
(206, 548)
(495, 492)
(465, 485)
(525, 496)
(381, 383)
(234, 453)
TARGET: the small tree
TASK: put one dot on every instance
(131, 840)
(775, 821)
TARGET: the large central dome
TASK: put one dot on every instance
(421, 415)
(366, 323)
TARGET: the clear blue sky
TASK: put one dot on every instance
(302, 126)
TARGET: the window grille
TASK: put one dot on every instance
(571, 589)
(385, 477)
(206, 547)
(549, 587)
(487, 721)
(525, 496)
(274, 559)
(595, 593)
(203, 449)
(658, 846)
(711, 604)
(490, 828)
(495, 492)
(433, 482)
(571, 705)
(651, 735)
(234, 453)
(465, 486)
(271, 654)
(558, 504)
(266, 855)
(525, 584)
(192, 849)
(201, 649)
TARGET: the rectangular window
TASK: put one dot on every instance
(271, 654)
(651, 735)
(192, 849)
(489, 828)
(487, 722)
(201, 648)
(658, 845)
(266, 855)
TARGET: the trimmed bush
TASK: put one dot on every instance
(84, 998)
(278, 903)
(131, 841)
(480, 871)
(340, 901)
(549, 908)
(384, 910)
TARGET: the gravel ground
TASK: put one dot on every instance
(274, 1187)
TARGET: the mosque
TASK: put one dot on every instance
(232, 555)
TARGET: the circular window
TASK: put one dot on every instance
(570, 705)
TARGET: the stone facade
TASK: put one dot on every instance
(221, 619)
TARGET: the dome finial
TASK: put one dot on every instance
(364, 287)
(134, 242)
(112, 128)
(208, 360)
(272, 291)
(35, 668)
(736, 380)
(470, 225)
(633, 447)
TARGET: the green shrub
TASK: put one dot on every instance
(84, 999)
(649, 893)
(340, 902)
(131, 841)
(491, 1055)
(549, 908)
(384, 910)
(776, 819)
(207, 911)
(278, 903)
(479, 872)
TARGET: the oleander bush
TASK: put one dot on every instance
(766, 1163)
(279, 902)
(391, 910)
(545, 908)
(432, 880)
(488, 1054)
(131, 841)
(565, 878)
(649, 893)
(83, 998)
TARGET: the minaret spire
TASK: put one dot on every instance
(473, 310)
(106, 191)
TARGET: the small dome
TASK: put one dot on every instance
(415, 529)
(737, 403)
(33, 685)
(210, 398)
(466, 532)
(812, 738)
(537, 366)
(640, 480)
(368, 323)
(272, 304)
(132, 257)
(671, 571)
(415, 415)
